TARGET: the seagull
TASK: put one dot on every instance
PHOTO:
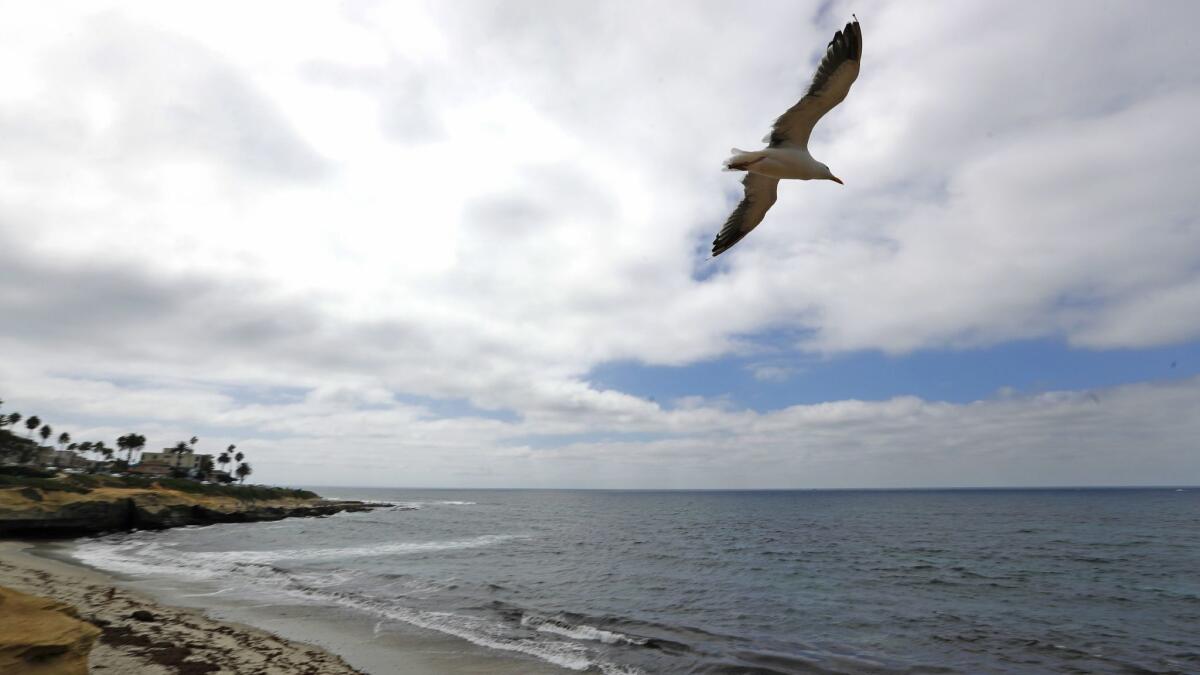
(786, 154)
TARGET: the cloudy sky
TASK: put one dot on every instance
(464, 243)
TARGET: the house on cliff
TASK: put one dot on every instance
(62, 459)
(187, 459)
(153, 469)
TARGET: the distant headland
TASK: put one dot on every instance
(73, 488)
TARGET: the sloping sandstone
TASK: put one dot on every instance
(39, 636)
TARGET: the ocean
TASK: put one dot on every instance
(848, 581)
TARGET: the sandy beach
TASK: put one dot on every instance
(173, 640)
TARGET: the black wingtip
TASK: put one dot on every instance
(722, 244)
(854, 39)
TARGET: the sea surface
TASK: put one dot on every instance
(935, 581)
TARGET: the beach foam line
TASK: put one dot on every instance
(580, 631)
(153, 552)
(394, 548)
(485, 633)
(139, 554)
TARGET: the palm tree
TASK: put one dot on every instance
(32, 423)
(63, 439)
(13, 418)
(179, 449)
(225, 458)
(239, 457)
(131, 443)
(192, 443)
(244, 470)
(84, 447)
(45, 432)
(106, 452)
(206, 466)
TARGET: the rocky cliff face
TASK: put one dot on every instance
(39, 636)
(26, 512)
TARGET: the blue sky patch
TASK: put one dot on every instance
(775, 381)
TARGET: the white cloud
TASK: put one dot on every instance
(1133, 434)
(486, 202)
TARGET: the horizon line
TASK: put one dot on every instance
(793, 489)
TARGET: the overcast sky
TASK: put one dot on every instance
(464, 243)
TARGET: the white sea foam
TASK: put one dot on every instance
(141, 554)
(133, 554)
(579, 631)
(389, 549)
(487, 633)
(206, 595)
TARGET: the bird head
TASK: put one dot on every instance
(829, 175)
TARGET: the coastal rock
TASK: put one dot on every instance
(39, 636)
(57, 514)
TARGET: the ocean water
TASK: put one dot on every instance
(953, 581)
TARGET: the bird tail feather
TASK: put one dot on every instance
(742, 159)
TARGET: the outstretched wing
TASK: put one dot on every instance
(829, 87)
(760, 195)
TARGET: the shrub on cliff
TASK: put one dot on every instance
(27, 471)
(20, 476)
(47, 484)
(13, 446)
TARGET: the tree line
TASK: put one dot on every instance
(129, 444)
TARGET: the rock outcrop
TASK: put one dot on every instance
(39, 636)
(31, 512)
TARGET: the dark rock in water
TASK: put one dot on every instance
(143, 615)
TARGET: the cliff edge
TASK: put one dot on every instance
(37, 512)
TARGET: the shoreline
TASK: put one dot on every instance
(176, 640)
(239, 638)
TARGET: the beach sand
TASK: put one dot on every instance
(175, 641)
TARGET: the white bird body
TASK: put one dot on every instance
(786, 156)
(782, 162)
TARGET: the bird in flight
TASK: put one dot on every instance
(786, 154)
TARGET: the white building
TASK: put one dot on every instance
(185, 460)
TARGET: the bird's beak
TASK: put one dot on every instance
(836, 180)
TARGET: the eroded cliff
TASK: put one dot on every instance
(30, 511)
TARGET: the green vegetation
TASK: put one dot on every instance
(26, 471)
(253, 492)
(13, 445)
(47, 484)
(21, 476)
(28, 476)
